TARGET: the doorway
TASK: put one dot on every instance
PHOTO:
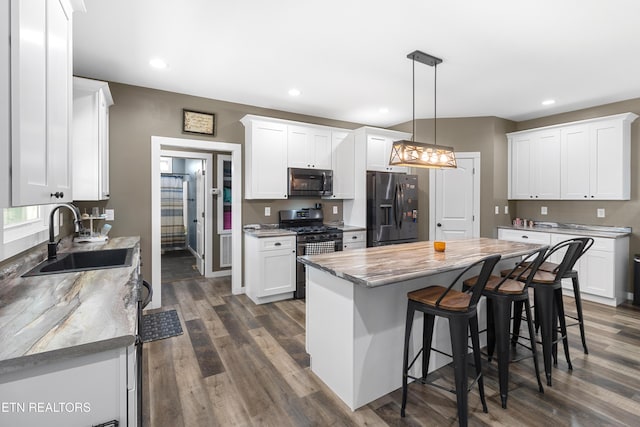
(454, 199)
(185, 214)
(164, 145)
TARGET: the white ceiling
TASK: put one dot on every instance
(348, 57)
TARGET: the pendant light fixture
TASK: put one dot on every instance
(419, 154)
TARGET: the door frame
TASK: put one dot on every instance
(207, 159)
(475, 156)
(157, 144)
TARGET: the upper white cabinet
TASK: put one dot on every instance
(342, 160)
(265, 158)
(534, 165)
(379, 143)
(593, 162)
(596, 157)
(309, 147)
(90, 139)
(41, 94)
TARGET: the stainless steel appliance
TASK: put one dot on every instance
(392, 208)
(312, 237)
(310, 182)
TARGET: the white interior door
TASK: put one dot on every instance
(454, 208)
(200, 220)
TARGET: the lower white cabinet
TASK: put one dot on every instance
(602, 270)
(354, 240)
(270, 268)
(77, 391)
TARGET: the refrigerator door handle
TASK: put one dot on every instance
(402, 205)
(396, 197)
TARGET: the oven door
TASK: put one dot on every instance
(312, 248)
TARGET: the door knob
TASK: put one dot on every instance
(439, 225)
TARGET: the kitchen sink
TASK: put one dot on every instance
(83, 261)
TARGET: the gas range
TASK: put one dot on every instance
(312, 237)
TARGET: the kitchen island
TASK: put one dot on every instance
(356, 309)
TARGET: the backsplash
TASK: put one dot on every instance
(253, 210)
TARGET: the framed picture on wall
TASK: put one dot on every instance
(198, 122)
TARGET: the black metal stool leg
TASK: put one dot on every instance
(458, 327)
(491, 330)
(517, 319)
(533, 343)
(563, 325)
(578, 298)
(405, 360)
(427, 336)
(475, 342)
(544, 304)
(502, 311)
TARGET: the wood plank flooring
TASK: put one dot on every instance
(238, 364)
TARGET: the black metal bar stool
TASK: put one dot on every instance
(573, 275)
(501, 294)
(548, 301)
(460, 308)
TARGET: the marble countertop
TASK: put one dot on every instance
(66, 315)
(384, 265)
(269, 232)
(576, 230)
(348, 228)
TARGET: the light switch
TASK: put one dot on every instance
(267, 211)
(543, 210)
(506, 209)
(335, 210)
(497, 210)
(600, 213)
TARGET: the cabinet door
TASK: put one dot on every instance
(268, 166)
(279, 272)
(40, 102)
(545, 167)
(343, 165)
(520, 148)
(308, 147)
(377, 156)
(609, 161)
(321, 148)
(596, 272)
(574, 182)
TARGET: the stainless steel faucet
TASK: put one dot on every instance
(52, 246)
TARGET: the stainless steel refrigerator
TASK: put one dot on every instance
(392, 208)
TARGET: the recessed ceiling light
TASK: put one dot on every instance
(548, 102)
(294, 92)
(158, 63)
(383, 110)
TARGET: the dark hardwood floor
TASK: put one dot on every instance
(239, 364)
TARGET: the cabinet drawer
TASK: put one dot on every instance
(354, 236)
(599, 243)
(277, 243)
(524, 236)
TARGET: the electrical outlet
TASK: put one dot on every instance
(497, 210)
(506, 210)
(267, 211)
(543, 210)
(335, 210)
(109, 214)
(600, 212)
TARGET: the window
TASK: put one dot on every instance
(23, 228)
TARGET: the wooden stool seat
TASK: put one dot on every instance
(541, 277)
(511, 287)
(453, 301)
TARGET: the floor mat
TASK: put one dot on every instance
(161, 325)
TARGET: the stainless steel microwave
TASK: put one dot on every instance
(310, 182)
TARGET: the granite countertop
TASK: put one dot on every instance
(384, 265)
(575, 229)
(269, 232)
(60, 316)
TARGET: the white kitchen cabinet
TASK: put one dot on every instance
(602, 270)
(90, 139)
(41, 94)
(270, 268)
(354, 240)
(265, 158)
(80, 391)
(534, 165)
(308, 147)
(596, 159)
(593, 161)
(379, 152)
(342, 164)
